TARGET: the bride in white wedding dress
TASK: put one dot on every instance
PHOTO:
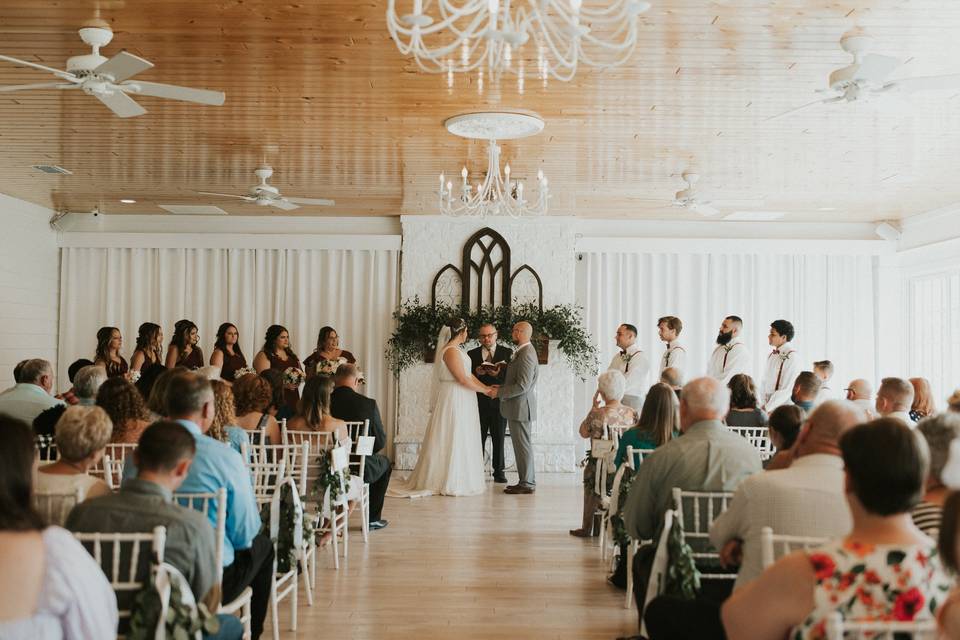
(451, 455)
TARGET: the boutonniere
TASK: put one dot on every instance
(785, 356)
(728, 347)
(626, 357)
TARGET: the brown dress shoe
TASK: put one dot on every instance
(581, 533)
(518, 489)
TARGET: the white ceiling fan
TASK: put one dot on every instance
(265, 195)
(689, 200)
(867, 76)
(108, 80)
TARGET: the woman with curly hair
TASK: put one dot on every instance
(252, 397)
(224, 426)
(126, 408)
(277, 355)
(183, 350)
(226, 352)
(149, 348)
(108, 355)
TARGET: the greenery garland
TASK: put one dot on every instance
(182, 620)
(418, 325)
(286, 549)
(328, 477)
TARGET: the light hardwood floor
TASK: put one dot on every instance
(491, 566)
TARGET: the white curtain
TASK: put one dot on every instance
(934, 331)
(354, 291)
(828, 298)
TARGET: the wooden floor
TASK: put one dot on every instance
(491, 566)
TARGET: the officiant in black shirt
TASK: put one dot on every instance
(489, 364)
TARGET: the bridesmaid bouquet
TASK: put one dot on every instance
(133, 376)
(242, 371)
(293, 377)
(329, 367)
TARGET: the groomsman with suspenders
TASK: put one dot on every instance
(731, 356)
(669, 328)
(783, 366)
(633, 365)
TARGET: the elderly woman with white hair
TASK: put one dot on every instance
(608, 411)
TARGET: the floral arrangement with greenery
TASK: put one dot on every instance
(417, 326)
(182, 620)
(286, 549)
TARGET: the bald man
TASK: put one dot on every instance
(518, 404)
(860, 392)
(894, 399)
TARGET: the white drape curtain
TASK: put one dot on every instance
(828, 298)
(354, 291)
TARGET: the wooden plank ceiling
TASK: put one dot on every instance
(318, 90)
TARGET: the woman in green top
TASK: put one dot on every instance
(659, 421)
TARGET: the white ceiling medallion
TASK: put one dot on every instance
(532, 38)
(497, 195)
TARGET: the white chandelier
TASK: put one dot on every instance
(498, 194)
(451, 37)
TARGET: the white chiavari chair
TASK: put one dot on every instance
(839, 629)
(696, 511)
(119, 555)
(55, 507)
(759, 437)
(216, 501)
(334, 513)
(362, 444)
(268, 468)
(603, 451)
(283, 585)
(775, 545)
(319, 441)
(46, 449)
(633, 459)
(658, 571)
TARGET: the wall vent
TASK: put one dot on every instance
(52, 168)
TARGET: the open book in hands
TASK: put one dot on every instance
(492, 368)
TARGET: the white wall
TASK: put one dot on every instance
(29, 287)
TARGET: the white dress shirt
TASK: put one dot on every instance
(675, 356)
(728, 360)
(635, 368)
(904, 416)
(806, 499)
(783, 367)
(869, 407)
(825, 393)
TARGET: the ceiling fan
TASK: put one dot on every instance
(867, 76)
(108, 80)
(688, 199)
(265, 195)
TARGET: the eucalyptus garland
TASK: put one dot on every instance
(683, 578)
(286, 549)
(328, 477)
(183, 621)
(619, 528)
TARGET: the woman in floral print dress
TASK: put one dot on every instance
(884, 570)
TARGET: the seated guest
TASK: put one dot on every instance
(860, 392)
(224, 426)
(148, 349)
(659, 423)
(158, 393)
(31, 395)
(894, 399)
(346, 403)
(163, 460)
(252, 396)
(328, 350)
(126, 408)
(953, 402)
(108, 355)
(783, 429)
(44, 429)
(82, 433)
(50, 586)
(744, 409)
(805, 391)
(148, 377)
(949, 547)
(278, 408)
(923, 405)
(939, 432)
(607, 412)
(884, 569)
(673, 378)
(805, 500)
(823, 369)
(247, 556)
(277, 356)
(69, 396)
(86, 384)
(707, 457)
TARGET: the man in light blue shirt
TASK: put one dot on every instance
(31, 396)
(247, 556)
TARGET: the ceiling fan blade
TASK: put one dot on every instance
(924, 83)
(57, 72)
(809, 104)
(42, 85)
(173, 92)
(283, 203)
(227, 195)
(323, 202)
(122, 66)
(121, 104)
(875, 67)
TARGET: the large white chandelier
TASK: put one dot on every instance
(451, 37)
(498, 194)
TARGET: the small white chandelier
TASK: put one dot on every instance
(498, 194)
(460, 37)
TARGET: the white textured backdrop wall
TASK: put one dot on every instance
(29, 287)
(429, 243)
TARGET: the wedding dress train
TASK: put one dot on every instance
(451, 456)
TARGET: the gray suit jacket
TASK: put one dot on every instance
(518, 395)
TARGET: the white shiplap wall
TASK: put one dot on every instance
(29, 287)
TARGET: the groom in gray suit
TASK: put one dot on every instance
(518, 404)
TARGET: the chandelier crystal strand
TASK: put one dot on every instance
(491, 34)
(497, 195)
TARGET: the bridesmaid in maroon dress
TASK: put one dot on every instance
(226, 352)
(328, 348)
(277, 354)
(108, 355)
(183, 350)
(149, 348)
